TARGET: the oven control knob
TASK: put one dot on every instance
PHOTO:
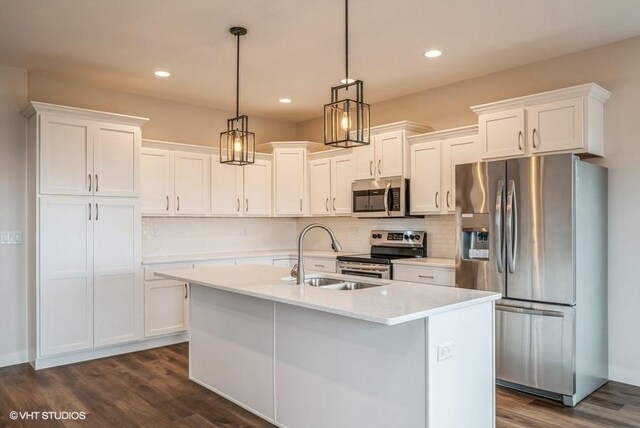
(417, 237)
(412, 236)
(379, 236)
(406, 236)
(374, 236)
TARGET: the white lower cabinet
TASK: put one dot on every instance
(166, 307)
(320, 264)
(425, 275)
(90, 275)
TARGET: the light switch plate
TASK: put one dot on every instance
(10, 237)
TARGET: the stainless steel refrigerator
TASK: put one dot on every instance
(535, 230)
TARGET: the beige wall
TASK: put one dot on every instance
(617, 68)
(169, 121)
(13, 96)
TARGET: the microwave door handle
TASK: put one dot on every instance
(499, 220)
(386, 199)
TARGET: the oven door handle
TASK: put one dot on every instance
(386, 199)
(362, 267)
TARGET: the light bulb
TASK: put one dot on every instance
(345, 122)
(237, 145)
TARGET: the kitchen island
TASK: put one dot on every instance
(400, 354)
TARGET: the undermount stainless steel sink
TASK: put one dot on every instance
(322, 281)
(338, 284)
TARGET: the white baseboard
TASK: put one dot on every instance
(92, 354)
(13, 358)
(631, 377)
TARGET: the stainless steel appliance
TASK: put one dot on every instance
(380, 198)
(386, 245)
(535, 230)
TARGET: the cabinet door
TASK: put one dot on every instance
(117, 271)
(191, 183)
(66, 274)
(257, 189)
(320, 187)
(226, 189)
(116, 160)
(66, 156)
(290, 181)
(456, 151)
(363, 162)
(389, 154)
(502, 134)
(425, 183)
(341, 179)
(165, 307)
(556, 126)
(156, 178)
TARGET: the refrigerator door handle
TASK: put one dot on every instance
(541, 312)
(499, 220)
(511, 227)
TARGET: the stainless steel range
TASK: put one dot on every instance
(386, 245)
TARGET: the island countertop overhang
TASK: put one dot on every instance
(395, 303)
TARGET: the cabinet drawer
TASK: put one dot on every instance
(320, 264)
(150, 271)
(436, 276)
(285, 262)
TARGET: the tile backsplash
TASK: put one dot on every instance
(171, 236)
(353, 233)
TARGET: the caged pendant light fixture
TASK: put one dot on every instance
(346, 120)
(237, 144)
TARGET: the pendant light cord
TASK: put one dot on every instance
(238, 75)
(346, 40)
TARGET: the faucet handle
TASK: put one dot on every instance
(294, 271)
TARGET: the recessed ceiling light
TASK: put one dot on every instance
(285, 100)
(345, 81)
(161, 73)
(433, 53)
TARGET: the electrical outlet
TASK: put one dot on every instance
(10, 238)
(445, 351)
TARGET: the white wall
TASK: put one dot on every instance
(13, 96)
(353, 233)
(171, 236)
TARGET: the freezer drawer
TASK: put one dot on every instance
(535, 345)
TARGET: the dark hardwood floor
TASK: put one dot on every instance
(151, 389)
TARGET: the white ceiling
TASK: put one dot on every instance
(295, 48)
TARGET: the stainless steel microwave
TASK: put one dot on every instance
(380, 198)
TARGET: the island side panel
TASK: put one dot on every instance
(335, 371)
(231, 347)
(461, 369)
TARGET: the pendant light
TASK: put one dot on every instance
(237, 144)
(346, 120)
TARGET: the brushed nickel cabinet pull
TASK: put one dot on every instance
(178, 198)
(167, 202)
(89, 211)
(300, 205)
(371, 168)
(379, 166)
(238, 205)
(448, 192)
(334, 204)
(89, 182)
(425, 276)
(326, 204)
(520, 140)
(533, 138)
(246, 206)
(96, 182)
(97, 212)
(437, 194)
(186, 290)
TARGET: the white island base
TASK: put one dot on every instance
(301, 367)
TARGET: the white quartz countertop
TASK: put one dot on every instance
(182, 258)
(426, 262)
(394, 303)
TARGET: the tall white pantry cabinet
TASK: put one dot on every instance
(85, 290)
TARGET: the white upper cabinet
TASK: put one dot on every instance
(387, 155)
(156, 181)
(320, 187)
(425, 185)
(330, 179)
(567, 120)
(116, 165)
(390, 154)
(85, 152)
(227, 188)
(363, 159)
(290, 181)
(341, 180)
(434, 157)
(191, 183)
(257, 189)
(66, 156)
